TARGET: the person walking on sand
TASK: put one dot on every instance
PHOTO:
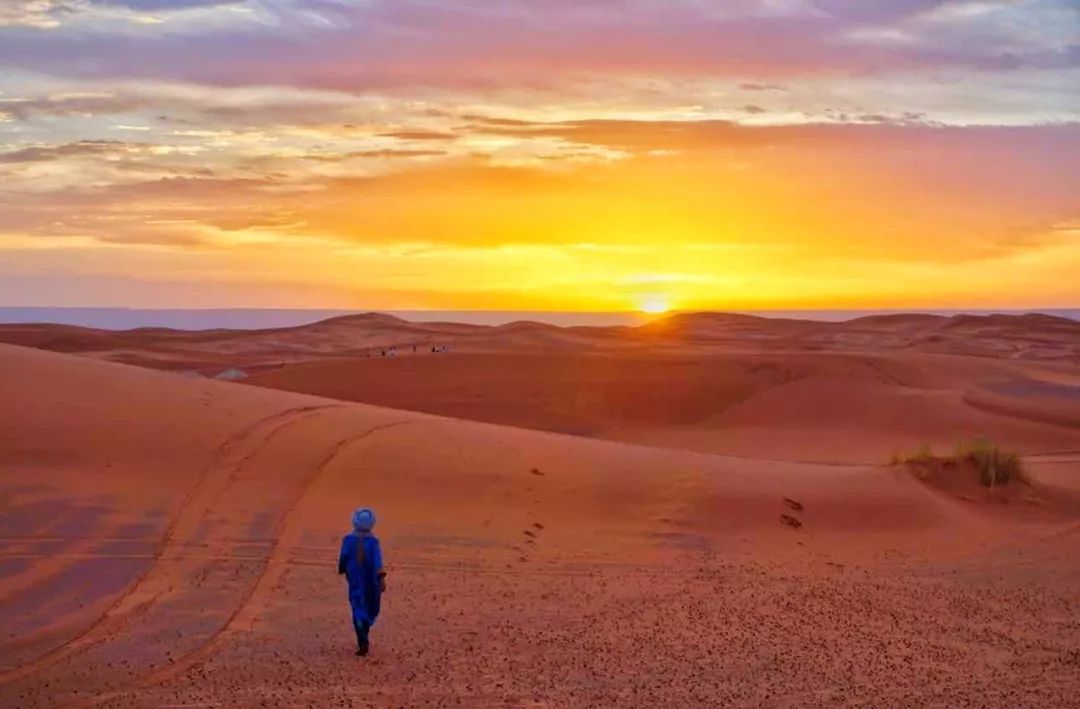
(361, 562)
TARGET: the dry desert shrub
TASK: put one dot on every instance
(992, 464)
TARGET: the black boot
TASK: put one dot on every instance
(362, 643)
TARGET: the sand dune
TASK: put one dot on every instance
(855, 391)
(833, 407)
(171, 540)
(1025, 337)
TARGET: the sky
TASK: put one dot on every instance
(594, 155)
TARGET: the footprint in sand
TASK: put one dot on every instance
(787, 519)
(531, 538)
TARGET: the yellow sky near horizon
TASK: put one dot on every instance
(730, 228)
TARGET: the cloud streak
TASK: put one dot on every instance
(471, 43)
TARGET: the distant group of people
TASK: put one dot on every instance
(393, 350)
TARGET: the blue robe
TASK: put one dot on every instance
(361, 561)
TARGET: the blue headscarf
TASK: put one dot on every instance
(363, 519)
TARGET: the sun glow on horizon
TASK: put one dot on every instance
(655, 305)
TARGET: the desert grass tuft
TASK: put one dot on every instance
(993, 464)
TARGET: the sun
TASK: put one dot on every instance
(655, 305)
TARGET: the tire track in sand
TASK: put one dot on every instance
(183, 517)
(246, 611)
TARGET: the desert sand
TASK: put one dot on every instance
(824, 407)
(1032, 337)
(698, 512)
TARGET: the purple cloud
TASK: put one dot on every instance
(467, 43)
